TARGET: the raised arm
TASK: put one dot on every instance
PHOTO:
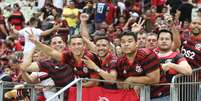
(83, 25)
(137, 27)
(46, 49)
(56, 26)
(176, 37)
(90, 45)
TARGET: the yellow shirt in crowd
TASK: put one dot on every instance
(72, 21)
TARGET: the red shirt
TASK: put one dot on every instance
(157, 2)
(166, 77)
(80, 69)
(109, 64)
(146, 61)
(111, 12)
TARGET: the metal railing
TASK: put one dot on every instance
(182, 88)
(186, 87)
(7, 86)
(144, 90)
(32, 89)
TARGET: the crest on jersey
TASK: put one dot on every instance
(85, 70)
(125, 72)
(198, 46)
(138, 68)
(168, 61)
(56, 67)
(185, 42)
(75, 69)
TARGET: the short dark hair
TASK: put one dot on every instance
(152, 34)
(75, 36)
(128, 33)
(57, 35)
(33, 20)
(16, 5)
(100, 37)
(165, 31)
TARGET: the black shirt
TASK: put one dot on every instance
(186, 10)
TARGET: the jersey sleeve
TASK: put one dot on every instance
(150, 62)
(44, 65)
(179, 58)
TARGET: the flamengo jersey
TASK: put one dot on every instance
(191, 49)
(62, 74)
(145, 62)
(80, 69)
(108, 65)
(166, 77)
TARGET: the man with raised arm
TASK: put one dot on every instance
(72, 57)
(107, 70)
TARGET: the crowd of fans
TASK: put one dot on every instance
(137, 41)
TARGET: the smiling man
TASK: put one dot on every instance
(191, 48)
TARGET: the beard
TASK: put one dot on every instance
(196, 31)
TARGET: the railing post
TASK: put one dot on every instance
(174, 92)
(1, 91)
(33, 93)
(145, 93)
(79, 90)
(62, 97)
(199, 93)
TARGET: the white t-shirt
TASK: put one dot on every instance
(58, 3)
(121, 6)
(28, 44)
(41, 3)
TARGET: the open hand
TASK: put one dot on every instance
(31, 36)
(136, 27)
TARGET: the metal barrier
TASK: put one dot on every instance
(182, 88)
(32, 89)
(6, 86)
(186, 88)
(144, 90)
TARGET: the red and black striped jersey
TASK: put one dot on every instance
(191, 49)
(146, 61)
(166, 77)
(79, 68)
(62, 74)
(109, 64)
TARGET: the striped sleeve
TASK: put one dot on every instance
(150, 63)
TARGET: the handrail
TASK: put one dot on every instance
(87, 79)
(111, 81)
(27, 85)
(180, 75)
(64, 89)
